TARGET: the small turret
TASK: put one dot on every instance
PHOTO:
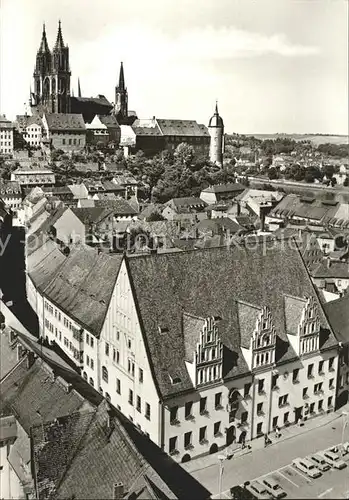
(216, 131)
(121, 98)
(59, 45)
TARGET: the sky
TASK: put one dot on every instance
(273, 65)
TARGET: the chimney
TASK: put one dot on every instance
(328, 262)
(118, 492)
(30, 359)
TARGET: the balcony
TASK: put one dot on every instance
(275, 388)
(261, 392)
(322, 372)
(218, 407)
(260, 413)
(296, 381)
(305, 396)
(204, 412)
(174, 452)
(310, 375)
(174, 421)
(331, 369)
(283, 405)
(242, 424)
(188, 446)
(189, 417)
(203, 441)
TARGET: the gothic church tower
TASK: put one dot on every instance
(121, 98)
(52, 77)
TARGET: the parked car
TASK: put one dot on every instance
(306, 466)
(257, 490)
(346, 447)
(333, 459)
(274, 488)
(319, 462)
(240, 493)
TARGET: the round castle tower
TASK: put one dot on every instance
(216, 131)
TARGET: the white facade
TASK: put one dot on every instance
(6, 136)
(33, 134)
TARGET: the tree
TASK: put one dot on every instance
(273, 173)
(184, 154)
(346, 182)
(328, 170)
(155, 216)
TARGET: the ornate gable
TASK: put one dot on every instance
(207, 357)
(302, 324)
(258, 335)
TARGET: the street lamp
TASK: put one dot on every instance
(221, 459)
(345, 423)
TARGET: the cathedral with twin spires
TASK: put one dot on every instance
(52, 95)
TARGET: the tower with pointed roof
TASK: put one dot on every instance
(52, 76)
(216, 131)
(121, 98)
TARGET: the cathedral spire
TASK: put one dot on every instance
(121, 78)
(44, 45)
(79, 88)
(59, 41)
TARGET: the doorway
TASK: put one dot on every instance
(230, 435)
(298, 414)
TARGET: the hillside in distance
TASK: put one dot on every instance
(316, 139)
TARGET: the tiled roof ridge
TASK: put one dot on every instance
(193, 315)
(245, 303)
(302, 299)
(142, 328)
(77, 449)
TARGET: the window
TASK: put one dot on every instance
(92, 364)
(218, 400)
(244, 417)
(318, 388)
(261, 386)
(147, 411)
(305, 393)
(259, 428)
(114, 354)
(331, 383)
(118, 357)
(118, 386)
(91, 341)
(247, 388)
(130, 396)
(69, 142)
(295, 374)
(104, 374)
(87, 338)
(203, 403)
(260, 409)
(140, 375)
(329, 402)
(63, 142)
(310, 370)
(330, 364)
(138, 404)
(87, 360)
(129, 343)
(202, 434)
(91, 382)
(131, 367)
(107, 396)
(187, 439)
(312, 407)
(321, 367)
(117, 335)
(274, 381)
(188, 409)
(106, 349)
(172, 444)
(283, 400)
(320, 405)
(286, 415)
(174, 414)
(275, 422)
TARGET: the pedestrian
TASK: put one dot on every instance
(266, 439)
(277, 432)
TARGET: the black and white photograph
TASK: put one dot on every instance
(174, 249)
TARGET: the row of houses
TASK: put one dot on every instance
(201, 349)
(54, 427)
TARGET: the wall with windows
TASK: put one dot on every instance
(69, 227)
(33, 134)
(208, 419)
(6, 140)
(68, 141)
(126, 377)
(304, 388)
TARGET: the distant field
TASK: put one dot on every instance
(315, 139)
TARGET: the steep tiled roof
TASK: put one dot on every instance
(247, 318)
(338, 316)
(83, 286)
(294, 307)
(181, 127)
(5, 123)
(26, 120)
(65, 121)
(9, 188)
(91, 215)
(334, 270)
(187, 202)
(118, 206)
(25, 391)
(224, 188)
(209, 283)
(43, 264)
(308, 208)
(109, 120)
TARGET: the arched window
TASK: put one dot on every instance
(92, 382)
(85, 375)
(104, 374)
(107, 396)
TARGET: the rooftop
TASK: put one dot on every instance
(65, 121)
